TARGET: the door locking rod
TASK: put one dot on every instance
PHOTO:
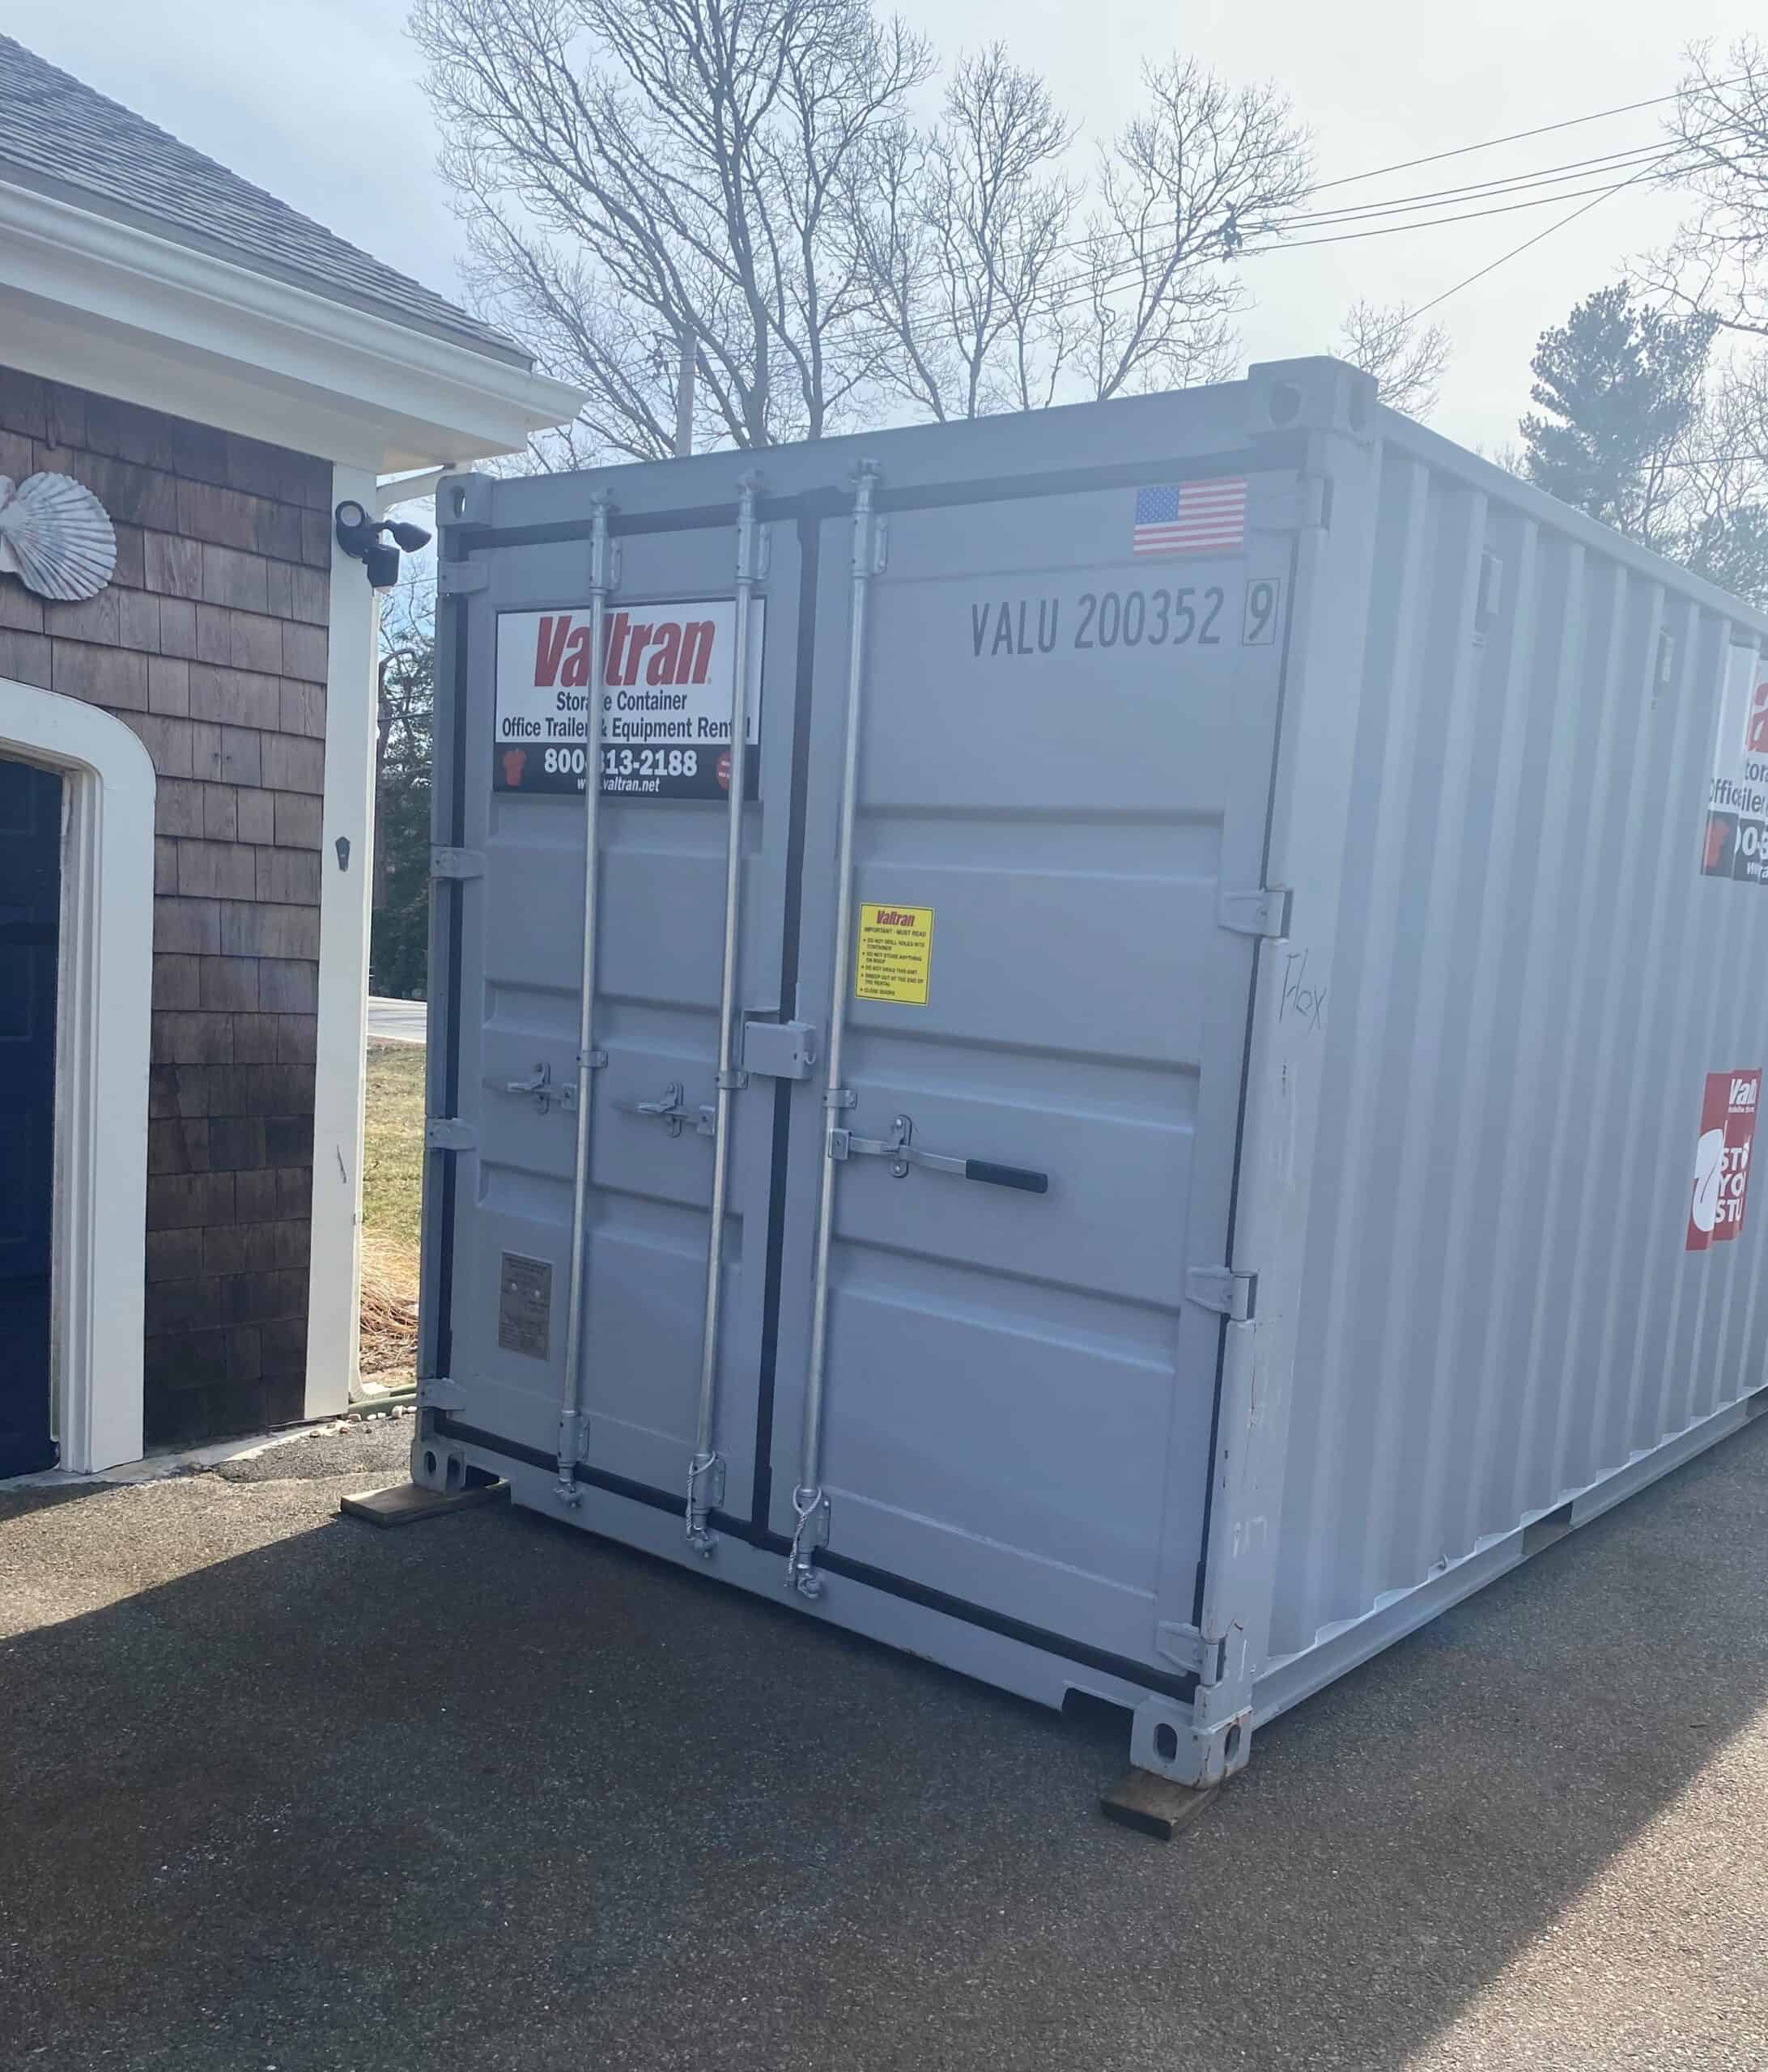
(706, 1469)
(572, 1425)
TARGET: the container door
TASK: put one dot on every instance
(670, 624)
(1065, 756)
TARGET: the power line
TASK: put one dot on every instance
(1124, 274)
(1546, 129)
(1648, 158)
(1714, 461)
(1431, 222)
(1517, 251)
(1459, 151)
(1511, 183)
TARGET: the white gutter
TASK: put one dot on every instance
(408, 488)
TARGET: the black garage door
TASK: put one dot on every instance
(29, 926)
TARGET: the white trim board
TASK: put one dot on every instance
(334, 1276)
(98, 1292)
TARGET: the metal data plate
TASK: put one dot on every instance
(524, 1305)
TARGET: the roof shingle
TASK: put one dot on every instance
(57, 134)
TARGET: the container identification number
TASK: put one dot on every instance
(1188, 614)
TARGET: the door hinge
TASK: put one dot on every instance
(449, 1133)
(1219, 1288)
(460, 579)
(573, 1444)
(1263, 911)
(779, 1049)
(437, 1392)
(1207, 1660)
(457, 863)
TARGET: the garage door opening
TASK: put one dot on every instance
(31, 806)
(76, 972)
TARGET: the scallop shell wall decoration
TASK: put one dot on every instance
(55, 536)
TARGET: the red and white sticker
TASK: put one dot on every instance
(1722, 1157)
(1735, 842)
(667, 674)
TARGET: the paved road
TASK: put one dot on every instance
(278, 1789)
(397, 1022)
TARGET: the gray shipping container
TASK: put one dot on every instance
(1224, 1037)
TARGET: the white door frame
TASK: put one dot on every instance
(98, 1278)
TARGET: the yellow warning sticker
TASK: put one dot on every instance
(896, 954)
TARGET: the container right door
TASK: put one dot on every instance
(1068, 715)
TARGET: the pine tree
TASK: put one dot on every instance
(1635, 428)
(1619, 387)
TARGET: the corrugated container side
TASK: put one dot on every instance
(1531, 980)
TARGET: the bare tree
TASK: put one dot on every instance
(960, 233)
(1407, 359)
(1180, 191)
(1721, 497)
(405, 706)
(644, 179)
(1505, 454)
(736, 186)
(1718, 262)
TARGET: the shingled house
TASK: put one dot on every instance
(186, 758)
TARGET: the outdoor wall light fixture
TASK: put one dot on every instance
(359, 537)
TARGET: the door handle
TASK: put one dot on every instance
(672, 1109)
(903, 1152)
(541, 1087)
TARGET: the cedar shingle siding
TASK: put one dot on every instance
(210, 643)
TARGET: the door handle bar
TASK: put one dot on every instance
(903, 1152)
(542, 1086)
(672, 1110)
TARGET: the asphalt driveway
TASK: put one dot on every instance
(398, 1022)
(279, 1790)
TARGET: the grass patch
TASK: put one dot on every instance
(392, 1208)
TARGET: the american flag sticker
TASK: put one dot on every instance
(1192, 517)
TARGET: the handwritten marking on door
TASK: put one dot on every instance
(1302, 1000)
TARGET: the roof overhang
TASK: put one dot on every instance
(106, 305)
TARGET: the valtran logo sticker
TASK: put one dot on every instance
(894, 953)
(1735, 842)
(665, 702)
(1722, 1157)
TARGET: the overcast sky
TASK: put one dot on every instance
(321, 102)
